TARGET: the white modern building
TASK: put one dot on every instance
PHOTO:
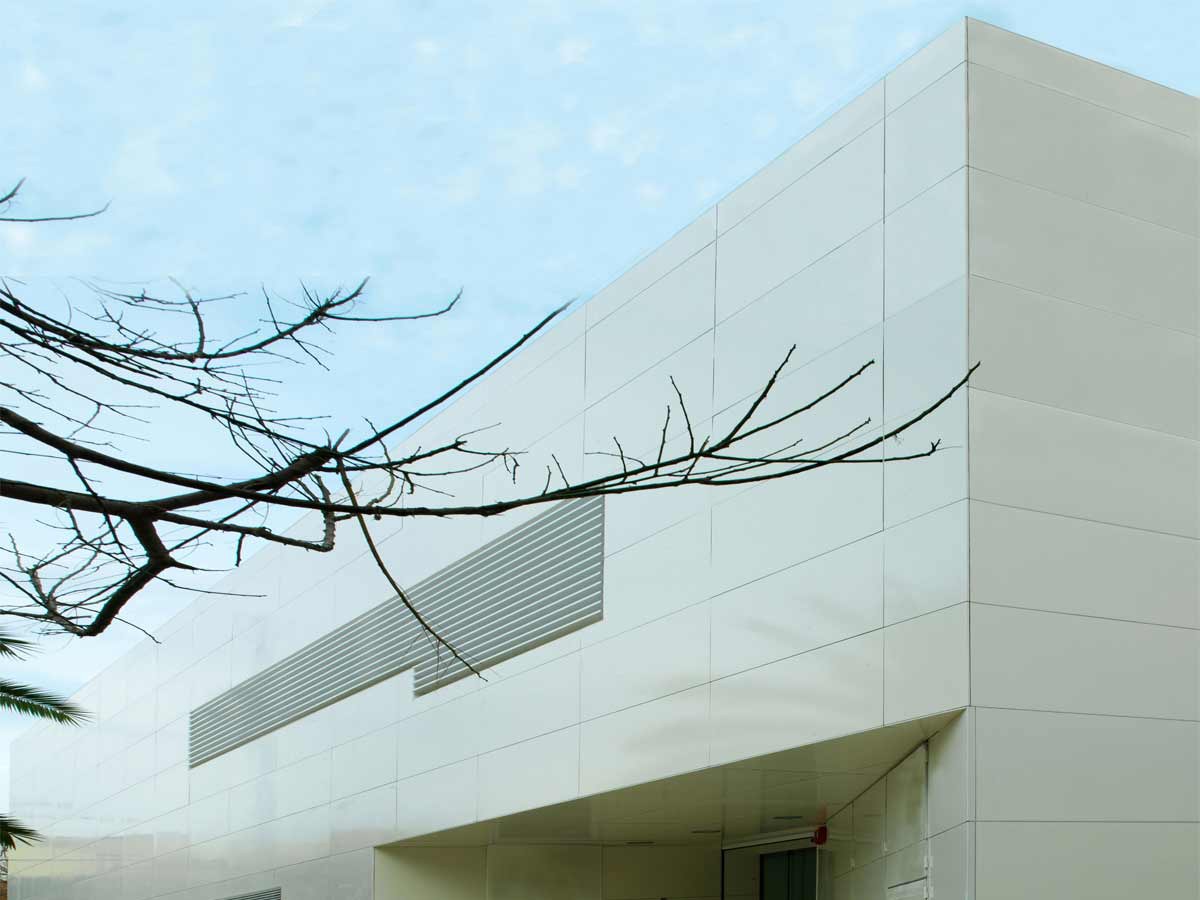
(978, 672)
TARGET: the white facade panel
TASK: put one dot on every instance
(1118, 367)
(1068, 773)
(635, 412)
(659, 575)
(663, 657)
(926, 66)
(1042, 137)
(1049, 661)
(952, 775)
(665, 317)
(1086, 79)
(1085, 476)
(820, 601)
(364, 763)
(1106, 861)
(838, 199)
(926, 564)
(840, 129)
(363, 820)
(926, 664)
(533, 773)
(775, 525)
(1060, 563)
(813, 696)
(438, 799)
(641, 743)
(835, 299)
(689, 241)
(1051, 244)
(925, 139)
(925, 243)
(530, 703)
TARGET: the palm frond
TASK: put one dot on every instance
(13, 832)
(14, 647)
(31, 701)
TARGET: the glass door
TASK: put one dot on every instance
(788, 875)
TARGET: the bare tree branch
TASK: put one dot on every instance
(88, 378)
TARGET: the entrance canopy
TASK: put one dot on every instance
(667, 831)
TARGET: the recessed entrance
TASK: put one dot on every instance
(740, 831)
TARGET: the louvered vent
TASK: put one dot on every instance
(268, 894)
(538, 582)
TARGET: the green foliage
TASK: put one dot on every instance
(29, 701)
(13, 832)
(14, 647)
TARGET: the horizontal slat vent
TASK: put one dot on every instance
(535, 583)
(268, 894)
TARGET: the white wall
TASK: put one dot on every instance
(1085, 479)
(881, 840)
(548, 872)
(449, 873)
(736, 622)
(891, 835)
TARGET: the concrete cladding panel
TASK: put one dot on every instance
(879, 843)
(548, 872)
(1085, 477)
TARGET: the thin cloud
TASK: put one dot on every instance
(33, 78)
(651, 195)
(574, 51)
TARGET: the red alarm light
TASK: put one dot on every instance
(820, 836)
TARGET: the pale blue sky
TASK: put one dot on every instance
(525, 150)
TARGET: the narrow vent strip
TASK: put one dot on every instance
(538, 582)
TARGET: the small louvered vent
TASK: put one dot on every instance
(268, 894)
(538, 582)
